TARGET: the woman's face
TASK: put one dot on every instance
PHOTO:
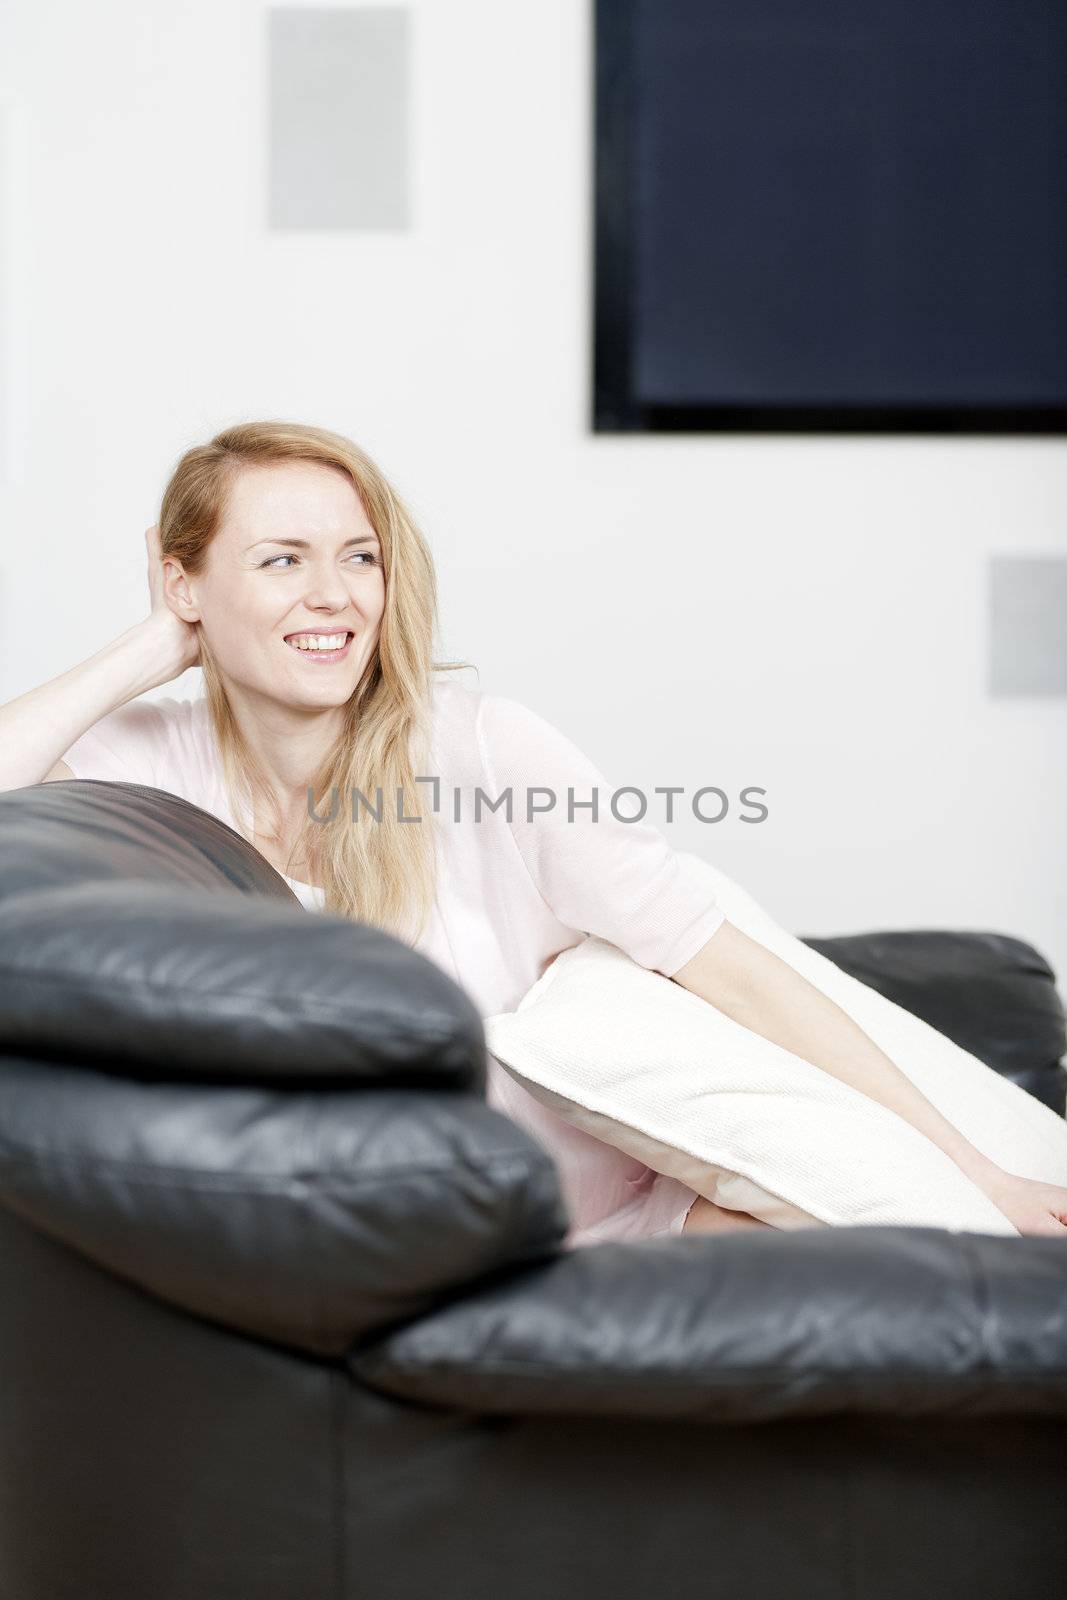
(295, 566)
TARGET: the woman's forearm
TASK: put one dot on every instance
(38, 726)
(757, 989)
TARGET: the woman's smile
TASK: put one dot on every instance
(323, 647)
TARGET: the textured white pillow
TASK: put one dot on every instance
(636, 1060)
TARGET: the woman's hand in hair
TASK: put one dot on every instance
(178, 641)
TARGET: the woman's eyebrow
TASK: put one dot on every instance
(302, 544)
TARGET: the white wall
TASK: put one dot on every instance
(806, 613)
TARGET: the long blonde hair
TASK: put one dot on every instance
(379, 872)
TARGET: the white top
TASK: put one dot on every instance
(309, 894)
(511, 894)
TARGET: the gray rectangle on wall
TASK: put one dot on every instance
(338, 93)
(1028, 625)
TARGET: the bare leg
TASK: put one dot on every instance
(706, 1217)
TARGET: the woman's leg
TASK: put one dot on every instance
(706, 1217)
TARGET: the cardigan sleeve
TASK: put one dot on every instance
(618, 880)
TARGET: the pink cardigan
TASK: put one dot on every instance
(511, 894)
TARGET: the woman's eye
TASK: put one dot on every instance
(364, 555)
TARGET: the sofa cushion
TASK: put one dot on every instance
(635, 1059)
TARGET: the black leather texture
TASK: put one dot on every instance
(284, 1310)
(303, 1216)
(254, 1148)
(170, 982)
(85, 830)
(894, 1321)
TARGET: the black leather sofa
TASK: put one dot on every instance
(284, 1313)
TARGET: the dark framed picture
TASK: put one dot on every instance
(831, 217)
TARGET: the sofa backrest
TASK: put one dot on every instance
(57, 835)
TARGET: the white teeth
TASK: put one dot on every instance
(319, 641)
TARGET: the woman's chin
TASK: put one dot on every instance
(309, 691)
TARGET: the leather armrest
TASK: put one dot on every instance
(742, 1328)
(309, 1217)
(168, 981)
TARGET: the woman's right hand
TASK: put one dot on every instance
(177, 641)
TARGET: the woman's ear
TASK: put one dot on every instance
(178, 590)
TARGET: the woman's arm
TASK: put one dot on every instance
(37, 727)
(757, 989)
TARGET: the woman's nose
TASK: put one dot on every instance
(326, 588)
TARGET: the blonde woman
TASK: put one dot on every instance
(286, 566)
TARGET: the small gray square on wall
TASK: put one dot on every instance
(338, 117)
(1027, 625)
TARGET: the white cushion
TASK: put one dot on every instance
(640, 1062)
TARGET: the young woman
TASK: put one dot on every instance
(286, 566)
